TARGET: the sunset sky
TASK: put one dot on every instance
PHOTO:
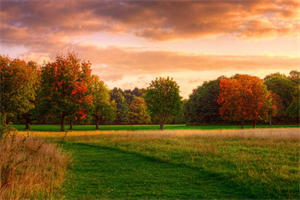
(131, 42)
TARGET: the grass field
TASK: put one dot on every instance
(143, 127)
(182, 164)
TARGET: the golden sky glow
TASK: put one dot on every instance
(131, 42)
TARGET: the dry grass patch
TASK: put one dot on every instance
(276, 133)
(30, 168)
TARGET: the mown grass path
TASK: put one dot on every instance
(108, 173)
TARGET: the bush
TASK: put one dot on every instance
(29, 167)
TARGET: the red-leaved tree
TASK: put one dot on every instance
(244, 98)
(65, 87)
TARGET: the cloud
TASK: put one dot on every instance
(37, 22)
(47, 28)
(115, 63)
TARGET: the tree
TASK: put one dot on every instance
(65, 86)
(281, 85)
(202, 106)
(295, 77)
(138, 111)
(101, 108)
(18, 80)
(122, 107)
(36, 78)
(293, 110)
(163, 100)
(276, 106)
(244, 98)
(130, 94)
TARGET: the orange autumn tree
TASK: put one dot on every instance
(244, 98)
(65, 87)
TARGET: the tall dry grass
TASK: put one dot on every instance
(30, 168)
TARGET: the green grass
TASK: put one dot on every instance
(158, 166)
(109, 173)
(142, 127)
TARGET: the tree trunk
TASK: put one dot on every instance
(71, 124)
(242, 125)
(270, 121)
(62, 122)
(96, 122)
(3, 121)
(254, 123)
(27, 118)
(161, 126)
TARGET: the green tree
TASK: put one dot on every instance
(36, 78)
(17, 85)
(293, 110)
(130, 94)
(281, 85)
(122, 116)
(202, 106)
(295, 77)
(101, 108)
(65, 86)
(138, 111)
(276, 106)
(163, 100)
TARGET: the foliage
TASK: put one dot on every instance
(122, 107)
(163, 99)
(61, 90)
(138, 111)
(130, 94)
(295, 77)
(244, 98)
(18, 81)
(202, 106)
(282, 86)
(65, 86)
(293, 109)
(276, 106)
(101, 107)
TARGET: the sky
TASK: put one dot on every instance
(131, 42)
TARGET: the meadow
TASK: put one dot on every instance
(180, 164)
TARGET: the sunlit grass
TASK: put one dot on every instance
(186, 164)
(270, 133)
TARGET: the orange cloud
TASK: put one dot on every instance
(155, 20)
(117, 63)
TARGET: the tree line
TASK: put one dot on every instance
(65, 90)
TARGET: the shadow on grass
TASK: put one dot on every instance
(109, 172)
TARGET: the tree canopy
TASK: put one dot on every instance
(101, 107)
(138, 111)
(65, 86)
(244, 98)
(163, 99)
(202, 106)
(18, 82)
